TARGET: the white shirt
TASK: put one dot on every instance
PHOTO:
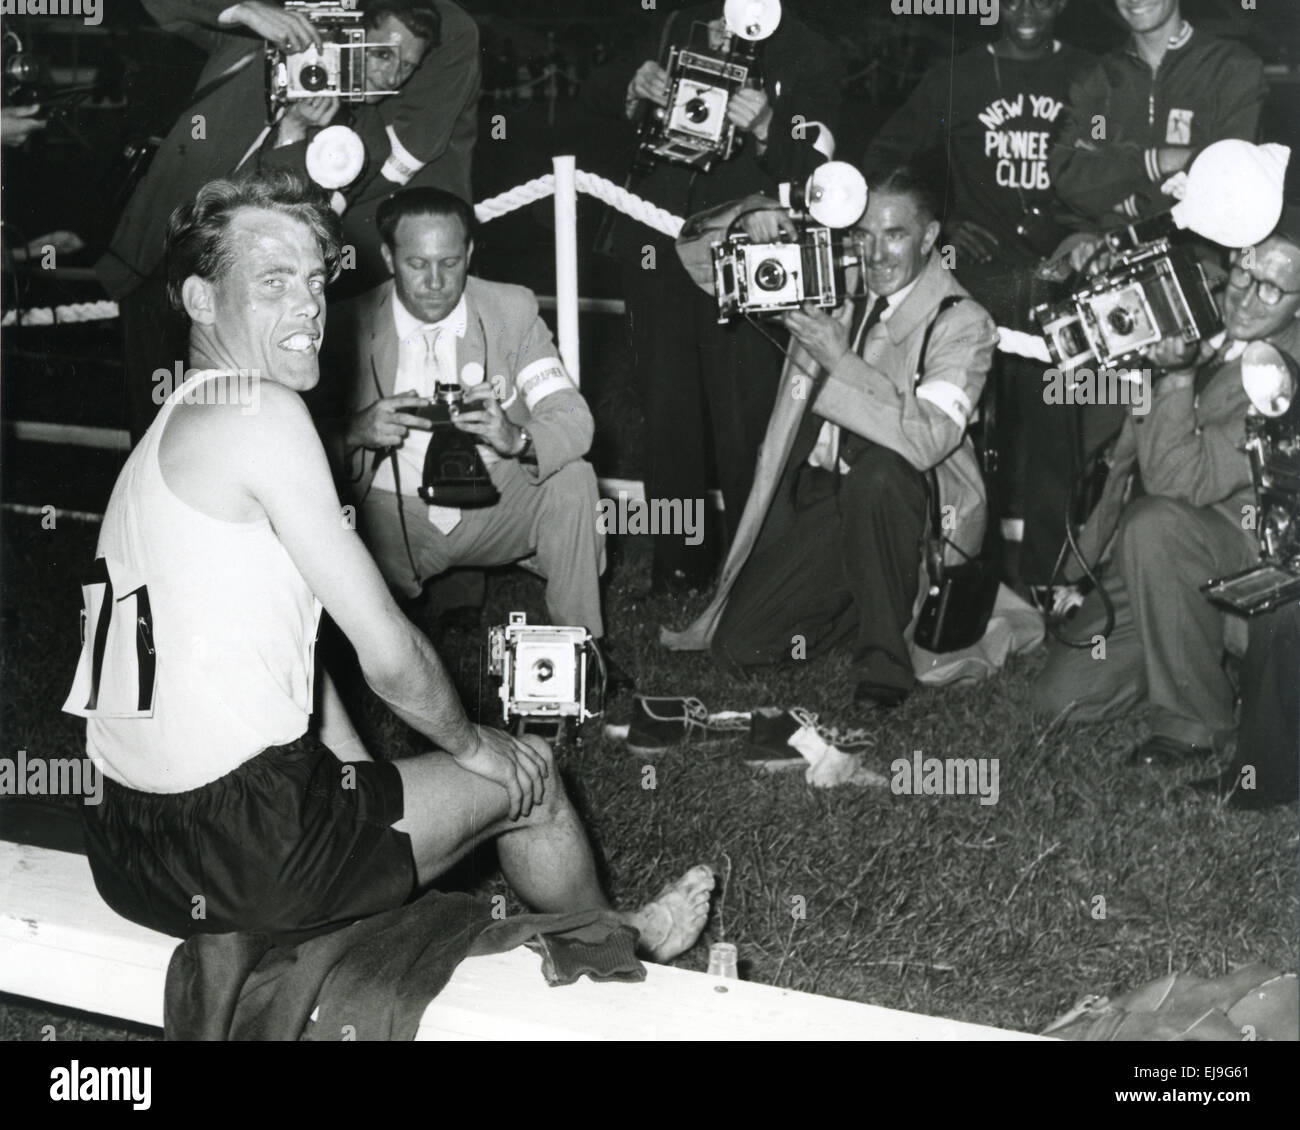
(417, 371)
(826, 452)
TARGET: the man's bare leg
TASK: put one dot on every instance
(545, 856)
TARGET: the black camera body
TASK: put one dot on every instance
(336, 70)
(1273, 444)
(454, 471)
(1150, 292)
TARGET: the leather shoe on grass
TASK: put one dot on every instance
(1161, 752)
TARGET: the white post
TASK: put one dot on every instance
(566, 263)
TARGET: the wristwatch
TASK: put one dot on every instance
(526, 454)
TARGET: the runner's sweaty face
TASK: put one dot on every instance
(268, 309)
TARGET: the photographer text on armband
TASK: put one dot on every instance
(1165, 648)
(434, 333)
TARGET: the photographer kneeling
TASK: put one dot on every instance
(1190, 523)
(896, 377)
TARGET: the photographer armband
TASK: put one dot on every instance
(118, 667)
(401, 165)
(538, 380)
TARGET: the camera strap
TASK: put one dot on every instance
(391, 454)
(937, 538)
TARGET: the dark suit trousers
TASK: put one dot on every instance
(702, 386)
(838, 560)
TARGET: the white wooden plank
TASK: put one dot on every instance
(60, 943)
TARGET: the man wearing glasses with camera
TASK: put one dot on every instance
(425, 50)
(1192, 521)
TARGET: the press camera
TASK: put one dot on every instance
(1151, 290)
(1273, 444)
(766, 278)
(336, 70)
(546, 671)
(692, 129)
(454, 471)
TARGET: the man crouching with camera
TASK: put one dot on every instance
(1190, 520)
(222, 542)
(897, 375)
(426, 367)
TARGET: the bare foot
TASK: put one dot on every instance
(670, 924)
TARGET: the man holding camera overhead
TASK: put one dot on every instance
(425, 50)
(1190, 523)
(703, 385)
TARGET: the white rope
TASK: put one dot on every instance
(494, 207)
(63, 315)
(630, 204)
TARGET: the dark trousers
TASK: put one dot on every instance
(154, 337)
(838, 560)
(703, 386)
(1269, 737)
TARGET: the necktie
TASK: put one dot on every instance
(851, 444)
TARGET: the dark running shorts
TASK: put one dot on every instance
(278, 846)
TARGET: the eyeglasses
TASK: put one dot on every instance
(1270, 294)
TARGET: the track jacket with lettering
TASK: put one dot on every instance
(1204, 90)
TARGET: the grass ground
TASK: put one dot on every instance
(1084, 877)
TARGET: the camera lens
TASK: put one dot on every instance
(543, 670)
(770, 275)
(1120, 320)
(697, 110)
(312, 77)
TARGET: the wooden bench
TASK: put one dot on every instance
(60, 943)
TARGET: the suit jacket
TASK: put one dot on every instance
(430, 126)
(1187, 447)
(505, 335)
(876, 396)
(801, 73)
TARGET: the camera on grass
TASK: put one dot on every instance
(546, 671)
(692, 129)
(336, 70)
(1271, 380)
(767, 278)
